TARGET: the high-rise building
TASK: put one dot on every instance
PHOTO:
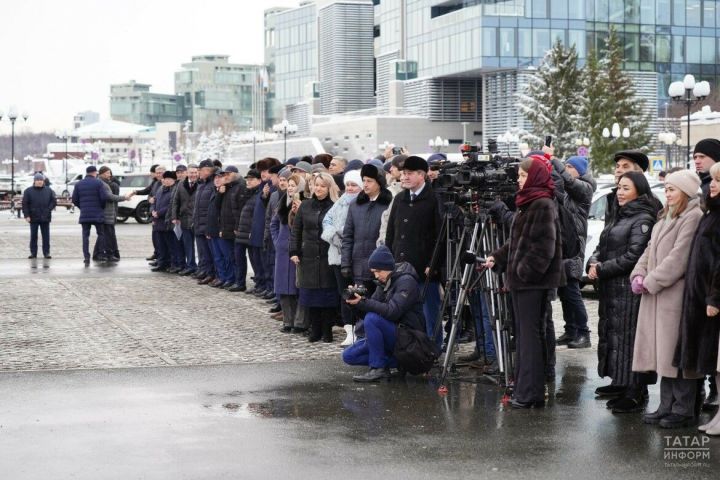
(218, 93)
(87, 117)
(291, 58)
(471, 57)
(133, 102)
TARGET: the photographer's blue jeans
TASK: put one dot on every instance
(223, 256)
(484, 338)
(376, 349)
(574, 312)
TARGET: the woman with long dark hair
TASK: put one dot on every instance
(532, 261)
(622, 242)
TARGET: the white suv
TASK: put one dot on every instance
(138, 206)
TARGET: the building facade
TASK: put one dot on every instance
(133, 102)
(220, 94)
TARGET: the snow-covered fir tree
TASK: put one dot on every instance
(551, 100)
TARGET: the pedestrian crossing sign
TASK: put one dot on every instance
(657, 165)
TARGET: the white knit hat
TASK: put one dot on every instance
(354, 177)
(685, 180)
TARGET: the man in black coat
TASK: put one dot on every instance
(412, 233)
(89, 195)
(38, 202)
(182, 213)
(396, 301)
(230, 200)
(151, 190)
(248, 247)
(162, 224)
(579, 188)
(206, 268)
(706, 153)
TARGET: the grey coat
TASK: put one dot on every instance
(111, 204)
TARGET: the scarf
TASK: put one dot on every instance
(538, 185)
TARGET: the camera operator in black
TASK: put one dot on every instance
(579, 188)
(396, 301)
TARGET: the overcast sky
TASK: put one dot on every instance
(59, 57)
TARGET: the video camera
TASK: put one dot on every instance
(480, 177)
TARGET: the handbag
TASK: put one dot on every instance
(414, 351)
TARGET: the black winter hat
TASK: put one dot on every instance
(252, 173)
(276, 168)
(206, 163)
(372, 171)
(635, 156)
(709, 147)
(413, 163)
(382, 259)
(169, 174)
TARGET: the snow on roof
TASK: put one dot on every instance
(704, 116)
(110, 129)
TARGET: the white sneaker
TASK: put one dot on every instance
(350, 339)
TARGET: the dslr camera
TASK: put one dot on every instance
(352, 290)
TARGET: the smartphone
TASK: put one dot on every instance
(397, 150)
(548, 141)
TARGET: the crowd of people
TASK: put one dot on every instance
(344, 243)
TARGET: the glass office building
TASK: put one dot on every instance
(133, 102)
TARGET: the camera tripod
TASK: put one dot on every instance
(482, 236)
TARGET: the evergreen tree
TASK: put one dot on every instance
(551, 100)
(611, 98)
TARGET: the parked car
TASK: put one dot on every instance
(138, 206)
(596, 220)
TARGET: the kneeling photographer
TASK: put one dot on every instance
(396, 301)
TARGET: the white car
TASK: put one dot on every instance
(596, 220)
(138, 206)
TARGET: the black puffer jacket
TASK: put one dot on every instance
(697, 348)
(399, 300)
(577, 199)
(314, 271)
(230, 204)
(204, 192)
(245, 220)
(622, 242)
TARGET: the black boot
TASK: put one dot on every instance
(327, 325)
(316, 327)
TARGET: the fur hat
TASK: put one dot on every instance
(169, 174)
(371, 171)
(413, 163)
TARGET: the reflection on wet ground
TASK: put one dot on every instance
(310, 419)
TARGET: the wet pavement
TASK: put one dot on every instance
(113, 372)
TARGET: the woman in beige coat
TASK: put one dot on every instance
(659, 277)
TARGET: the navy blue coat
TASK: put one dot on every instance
(163, 202)
(89, 196)
(280, 233)
(38, 204)
(399, 300)
(204, 192)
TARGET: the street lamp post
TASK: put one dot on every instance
(668, 138)
(13, 116)
(507, 138)
(689, 93)
(286, 128)
(438, 143)
(64, 136)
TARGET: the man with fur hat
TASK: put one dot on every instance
(412, 233)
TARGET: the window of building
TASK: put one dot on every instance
(617, 11)
(692, 48)
(709, 12)
(539, 8)
(707, 48)
(576, 10)
(693, 13)
(678, 49)
(541, 42)
(647, 12)
(632, 46)
(647, 47)
(662, 48)
(524, 42)
(602, 8)
(577, 38)
(489, 45)
(559, 8)
(664, 11)
(679, 12)
(507, 42)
